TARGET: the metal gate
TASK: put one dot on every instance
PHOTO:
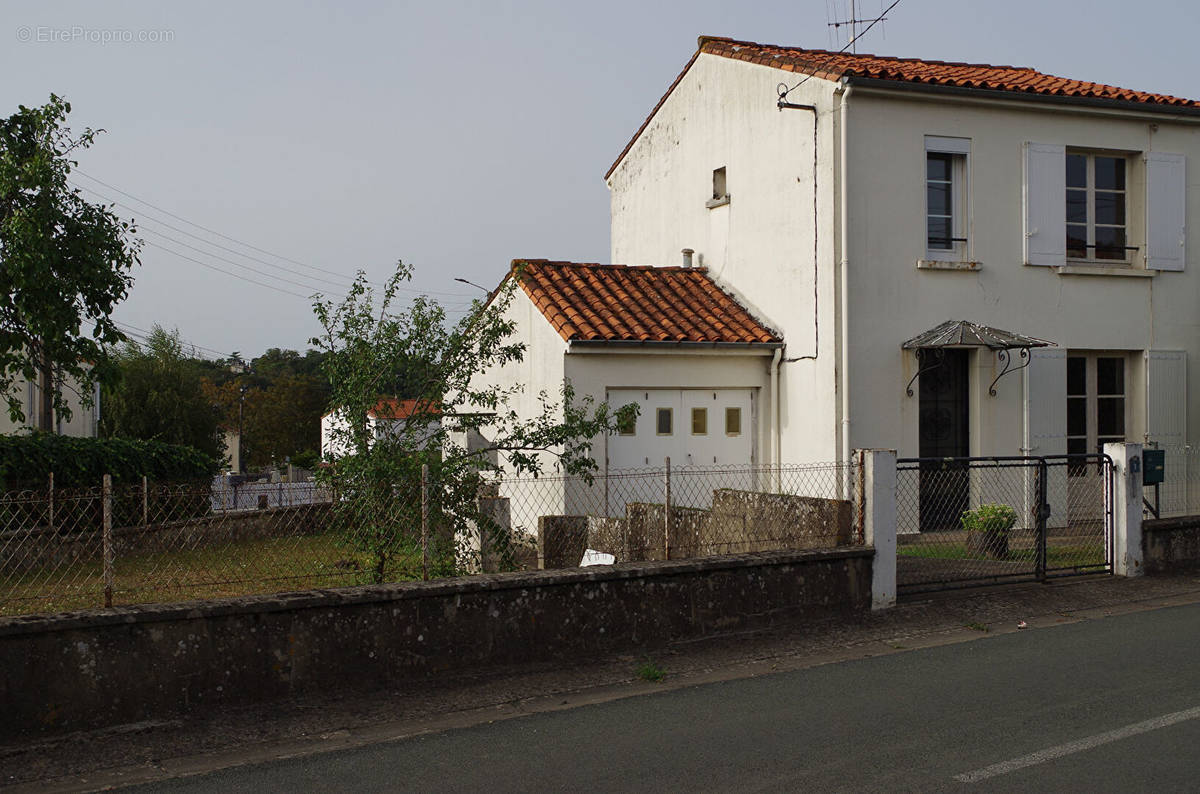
(964, 522)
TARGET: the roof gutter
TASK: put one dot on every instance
(1180, 112)
(760, 348)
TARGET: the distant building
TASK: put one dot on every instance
(85, 410)
(387, 418)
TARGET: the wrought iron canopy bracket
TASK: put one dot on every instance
(939, 358)
(1006, 359)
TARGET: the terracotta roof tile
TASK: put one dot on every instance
(392, 408)
(592, 302)
(835, 65)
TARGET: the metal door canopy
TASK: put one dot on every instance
(962, 333)
(965, 334)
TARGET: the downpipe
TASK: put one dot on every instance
(776, 446)
(843, 280)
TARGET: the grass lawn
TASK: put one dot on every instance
(268, 565)
(1056, 556)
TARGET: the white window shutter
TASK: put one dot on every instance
(1166, 400)
(1166, 188)
(1166, 424)
(1046, 426)
(1045, 194)
(1046, 401)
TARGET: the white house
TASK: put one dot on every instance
(387, 417)
(85, 410)
(885, 216)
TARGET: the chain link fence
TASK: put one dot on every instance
(1179, 493)
(982, 520)
(125, 543)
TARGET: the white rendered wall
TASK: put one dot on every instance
(768, 244)
(891, 300)
(82, 423)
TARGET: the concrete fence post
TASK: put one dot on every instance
(425, 522)
(667, 509)
(106, 539)
(879, 525)
(1126, 508)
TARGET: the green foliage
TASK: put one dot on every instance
(27, 461)
(64, 262)
(159, 397)
(651, 672)
(991, 518)
(370, 347)
(308, 459)
(280, 409)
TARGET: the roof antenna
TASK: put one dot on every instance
(854, 22)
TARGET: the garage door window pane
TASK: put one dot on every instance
(699, 421)
(628, 427)
(733, 421)
(663, 421)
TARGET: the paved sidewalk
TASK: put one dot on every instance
(154, 751)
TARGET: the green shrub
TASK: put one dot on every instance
(308, 459)
(26, 462)
(990, 518)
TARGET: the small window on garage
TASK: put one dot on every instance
(699, 421)
(733, 421)
(627, 426)
(664, 421)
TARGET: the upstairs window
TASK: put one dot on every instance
(1104, 208)
(1096, 207)
(946, 198)
(719, 189)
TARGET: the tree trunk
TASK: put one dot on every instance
(45, 421)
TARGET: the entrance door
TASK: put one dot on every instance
(944, 433)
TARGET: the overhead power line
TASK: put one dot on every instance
(344, 279)
(783, 90)
(185, 232)
(229, 272)
(302, 285)
(144, 335)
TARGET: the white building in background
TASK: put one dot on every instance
(987, 216)
(386, 418)
(84, 421)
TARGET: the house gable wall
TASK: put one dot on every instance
(768, 244)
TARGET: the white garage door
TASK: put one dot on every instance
(695, 427)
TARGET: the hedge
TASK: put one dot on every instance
(26, 461)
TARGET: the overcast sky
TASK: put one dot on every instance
(453, 135)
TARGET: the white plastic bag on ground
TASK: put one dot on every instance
(593, 557)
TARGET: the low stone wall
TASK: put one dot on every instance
(22, 550)
(127, 664)
(738, 522)
(1171, 544)
(751, 521)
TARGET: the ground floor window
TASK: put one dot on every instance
(1096, 401)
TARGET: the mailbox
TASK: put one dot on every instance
(1154, 464)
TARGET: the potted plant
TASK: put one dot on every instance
(987, 529)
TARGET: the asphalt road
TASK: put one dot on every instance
(1101, 705)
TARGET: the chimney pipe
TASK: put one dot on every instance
(687, 257)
